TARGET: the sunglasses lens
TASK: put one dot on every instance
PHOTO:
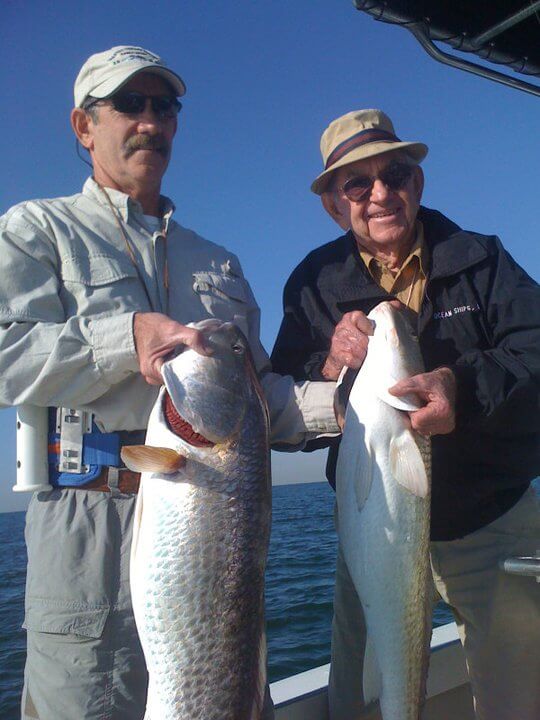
(357, 187)
(129, 103)
(133, 103)
(396, 176)
(166, 106)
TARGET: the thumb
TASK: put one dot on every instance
(196, 340)
(403, 387)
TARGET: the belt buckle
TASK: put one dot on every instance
(72, 424)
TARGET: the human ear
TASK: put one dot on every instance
(337, 214)
(418, 182)
(82, 126)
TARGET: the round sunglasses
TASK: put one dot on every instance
(395, 177)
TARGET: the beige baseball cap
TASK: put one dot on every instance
(358, 135)
(103, 73)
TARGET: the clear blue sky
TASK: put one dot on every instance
(264, 79)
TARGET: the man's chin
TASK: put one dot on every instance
(390, 234)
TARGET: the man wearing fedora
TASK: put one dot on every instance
(96, 290)
(478, 324)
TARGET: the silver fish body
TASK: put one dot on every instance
(383, 496)
(201, 538)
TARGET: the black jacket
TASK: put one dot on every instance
(481, 317)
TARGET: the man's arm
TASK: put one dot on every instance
(299, 411)
(497, 389)
(47, 358)
(301, 347)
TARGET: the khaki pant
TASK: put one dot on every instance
(497, 614)
(84, 660)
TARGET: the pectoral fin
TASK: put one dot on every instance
(407, 465)
(144, 458)
(364, 475)
(355, 460)
(408, 403)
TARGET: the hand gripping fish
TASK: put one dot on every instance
(383, 497)
(201, 535)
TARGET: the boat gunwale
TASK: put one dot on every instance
(289, 690)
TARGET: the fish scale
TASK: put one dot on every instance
(383, 496)
(200, 542)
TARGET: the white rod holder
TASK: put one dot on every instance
(32, 451)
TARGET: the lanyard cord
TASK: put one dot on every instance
(131, 254)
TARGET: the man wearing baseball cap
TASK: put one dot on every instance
(97, 289)
(478, 324)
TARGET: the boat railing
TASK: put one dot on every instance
(528, 566)
(304, 696)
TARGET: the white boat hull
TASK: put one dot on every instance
(304, 696)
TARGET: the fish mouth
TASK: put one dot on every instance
(180, 427)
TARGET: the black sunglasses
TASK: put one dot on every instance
(134, 103)
(395, 176)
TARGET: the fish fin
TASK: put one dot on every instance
(407, 465)
(372, 676)
(261, 689)
(145, 458)
(352, 465)
(409, 403)
(364, 475)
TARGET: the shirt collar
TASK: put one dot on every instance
(419, 249)
(123, 203)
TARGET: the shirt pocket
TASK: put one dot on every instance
(101, 283)
(224, 297)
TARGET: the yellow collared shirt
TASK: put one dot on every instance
(408, 284)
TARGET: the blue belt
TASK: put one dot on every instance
(99, 450)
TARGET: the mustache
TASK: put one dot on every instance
(146, 142)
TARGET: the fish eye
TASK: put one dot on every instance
(238, 348)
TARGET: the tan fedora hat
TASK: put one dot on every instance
(358, 135)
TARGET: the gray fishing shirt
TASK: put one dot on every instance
(69, 292)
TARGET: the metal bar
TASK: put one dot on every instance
(522, 566)
(421, 35)
(509, 22)
(381, 12)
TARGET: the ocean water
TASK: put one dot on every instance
(299, 589)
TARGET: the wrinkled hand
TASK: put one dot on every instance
(156, 335)
(438, 390)
(348, 345)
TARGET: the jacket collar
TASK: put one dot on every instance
(352, 282)
(451, 250)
